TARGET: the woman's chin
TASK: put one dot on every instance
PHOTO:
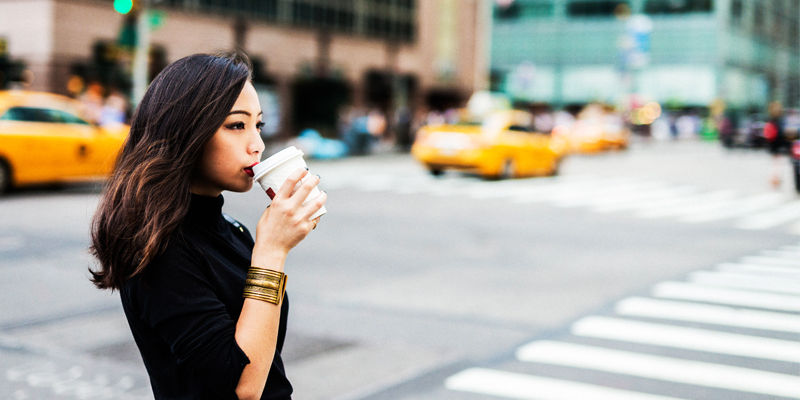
(240, 188)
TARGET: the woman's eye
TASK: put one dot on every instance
(236, 125)
(259, 126)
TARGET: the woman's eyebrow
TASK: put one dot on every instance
(243, 112)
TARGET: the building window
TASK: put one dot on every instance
(596, 8)
(737, 10)
(385, 19)
(678, 6)
(777, 21)
(759, 20)
(538, 9)
(511, 11)
(525, 9)
(793, 39)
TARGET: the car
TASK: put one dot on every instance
(503, 144)
(44, 140)
(597, 128)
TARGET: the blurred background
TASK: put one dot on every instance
(528, 199)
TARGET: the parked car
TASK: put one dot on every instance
(43, 139)
(502, 145)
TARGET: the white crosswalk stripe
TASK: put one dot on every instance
(661, 368)
(647, 340)
(687, 338)
(768, 219)
(520, 386)
(687, 291)
(766, 270)
(749, 281)
(643, 198)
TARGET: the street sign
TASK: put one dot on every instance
(637, 41)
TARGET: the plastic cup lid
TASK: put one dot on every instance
(275, 160)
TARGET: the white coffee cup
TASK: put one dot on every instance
(272, 173)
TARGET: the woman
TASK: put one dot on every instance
(777, 142)
(179, 264)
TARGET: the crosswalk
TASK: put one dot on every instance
(732, 332)
(642, 198)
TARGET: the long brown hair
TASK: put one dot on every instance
(148, 194)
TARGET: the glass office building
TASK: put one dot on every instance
(680, 52)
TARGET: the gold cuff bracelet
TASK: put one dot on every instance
(265, 285)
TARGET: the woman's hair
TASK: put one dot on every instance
(148, 193)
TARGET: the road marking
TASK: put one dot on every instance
(529, 387)
(793, 255)
(770, 261)
(564, 190)
(736, 208)
(610, 194)
(636, 200)
(708, 314)
(688, 204)
(11, 243)
(760, 269)
(786, 285)
(744, 298)
(687, 338)
(770, 219)
(661, 368)
(375, 183)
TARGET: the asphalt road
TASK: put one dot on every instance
(458, 288)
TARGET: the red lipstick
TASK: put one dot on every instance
(249, 170)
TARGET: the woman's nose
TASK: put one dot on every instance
(257, 144)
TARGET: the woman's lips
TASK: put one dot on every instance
(249, 170)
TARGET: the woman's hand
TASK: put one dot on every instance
(285, 223)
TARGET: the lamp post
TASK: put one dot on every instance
(141, 53)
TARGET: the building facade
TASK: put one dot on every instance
(422, 52)
(681, 52)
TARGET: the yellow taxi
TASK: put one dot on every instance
(597, 128)
(43, 139)
(501, 145)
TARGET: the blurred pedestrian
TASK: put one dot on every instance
(776, 140)
(114, 109)
(92, 103)
(403, 121)
(204, 301)
(357, 133)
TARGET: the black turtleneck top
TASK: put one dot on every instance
(183, 310)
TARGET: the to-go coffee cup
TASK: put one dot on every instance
(272, 173)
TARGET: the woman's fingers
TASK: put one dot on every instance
(288, 186)
(314, 205)
(309, 183)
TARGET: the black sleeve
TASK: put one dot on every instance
(178, 302)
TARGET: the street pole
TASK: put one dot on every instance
(141, 54)
(482, 64)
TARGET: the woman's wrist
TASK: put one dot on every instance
(269, 258)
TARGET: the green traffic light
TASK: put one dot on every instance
(123, 6)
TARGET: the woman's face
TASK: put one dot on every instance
(228, 157)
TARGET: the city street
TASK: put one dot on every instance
(667, 271)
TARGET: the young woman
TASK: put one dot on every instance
(204, 300)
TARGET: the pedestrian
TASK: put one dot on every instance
(776, 140)
(204, 301)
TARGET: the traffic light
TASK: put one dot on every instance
(123, 6)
